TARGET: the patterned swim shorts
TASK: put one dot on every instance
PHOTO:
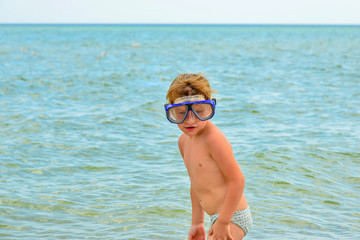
(241, 218)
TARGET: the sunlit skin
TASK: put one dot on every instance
(217, 182)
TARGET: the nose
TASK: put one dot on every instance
(190, 117)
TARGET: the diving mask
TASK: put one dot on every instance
(202, 109)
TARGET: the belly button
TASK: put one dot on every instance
(200, 165)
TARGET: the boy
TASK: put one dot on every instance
(217, 182)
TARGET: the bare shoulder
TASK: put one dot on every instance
(181, 144)
(215, 136)
(218, 145)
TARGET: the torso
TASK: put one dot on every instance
(206, 177)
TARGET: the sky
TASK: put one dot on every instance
(181, 11)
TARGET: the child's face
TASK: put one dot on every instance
(192, 126)
(191, 113)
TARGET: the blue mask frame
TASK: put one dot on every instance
(212, 102)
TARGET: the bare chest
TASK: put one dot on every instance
(198, 161)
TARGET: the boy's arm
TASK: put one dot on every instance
(221, 151)
(198, 214)
(197, 229)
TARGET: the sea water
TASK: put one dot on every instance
(86, 151)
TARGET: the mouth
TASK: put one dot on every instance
(190, 128)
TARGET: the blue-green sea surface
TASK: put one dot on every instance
(86, 151)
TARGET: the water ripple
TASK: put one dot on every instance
(87, 153)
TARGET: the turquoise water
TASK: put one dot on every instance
(87, 153)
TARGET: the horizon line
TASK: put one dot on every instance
(135, 23)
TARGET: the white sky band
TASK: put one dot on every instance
(182, 11)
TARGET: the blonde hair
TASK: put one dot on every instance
(189, 84)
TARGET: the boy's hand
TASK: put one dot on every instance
(197, 232)
(220, 231)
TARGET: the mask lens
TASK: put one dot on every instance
(177, 114)
(203, 111)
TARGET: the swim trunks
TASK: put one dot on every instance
(241, 218)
